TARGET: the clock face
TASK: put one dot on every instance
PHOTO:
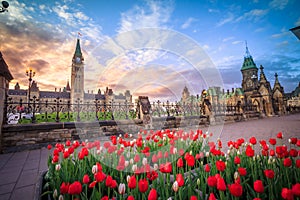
(249, 83)
(77, 59)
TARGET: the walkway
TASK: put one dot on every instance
(20, 172)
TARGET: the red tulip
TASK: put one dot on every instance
(279, 135)
(92, 184)
(296, 189)
(143, 185)
(49, 147)
(242, 171)
(287, 162)
(249, 151)
(180, 180)
(152, 175)
(293, 152)
(269, 173)
(258, 186)
(252, 140)
(152, 194)
(104, 198)
(207, 168)
(166, 168)
(68, 143)
(193, 198)
(99, 176)
(211, 196)
(113, 184)
(221, 184)
(298, 162)
(86, 179)
(190, 160)
(180, 162)
(220, 165)
(237, 160)
(272, 141)
(108, 181)
(212, 181)
(293, 140)
(136, 158)
(132, 182)
(75, 188)
(272, 152)
(130, 198)
(64, 188)
(236, 189)
(287, 194)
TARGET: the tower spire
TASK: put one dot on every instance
(78, 52)
(262, 74)
(247, 55)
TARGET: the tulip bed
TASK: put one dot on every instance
(174, 164)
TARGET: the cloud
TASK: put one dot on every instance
(213, 10)
(228, 19)
(259, 30)
(188, 22)
(237, 42)
(43, 44)
(253, 15)
(280, 35)
(227, 39)
(155, 14)
(278, 4)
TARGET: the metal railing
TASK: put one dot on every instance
(61, 110)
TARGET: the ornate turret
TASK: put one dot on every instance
(249, 72)
(248, 61)
(17, 86)
(68, 88)
(262, 75)
(277, 85)
(77, 76)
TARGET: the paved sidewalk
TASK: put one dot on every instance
(21, 171)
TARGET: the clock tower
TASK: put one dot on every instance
(77, 75)
(249, 71)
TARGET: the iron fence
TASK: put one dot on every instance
(61, 110)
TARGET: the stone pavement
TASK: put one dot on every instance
(20, 172)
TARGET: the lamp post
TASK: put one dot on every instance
(4, 5)
(30, 74)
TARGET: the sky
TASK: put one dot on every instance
(151, 47)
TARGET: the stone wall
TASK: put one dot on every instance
(29, 136)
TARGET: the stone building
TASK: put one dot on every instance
(293, 99)
(255, 90)
(73, 93)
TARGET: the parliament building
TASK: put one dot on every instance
(256, 90)
(71, 92)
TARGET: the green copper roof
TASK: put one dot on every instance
(248, 63)
(78, 49)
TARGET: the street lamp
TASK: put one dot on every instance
(30, 73)
(4, 6)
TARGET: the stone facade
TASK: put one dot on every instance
(256, 90)
(70, 93)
